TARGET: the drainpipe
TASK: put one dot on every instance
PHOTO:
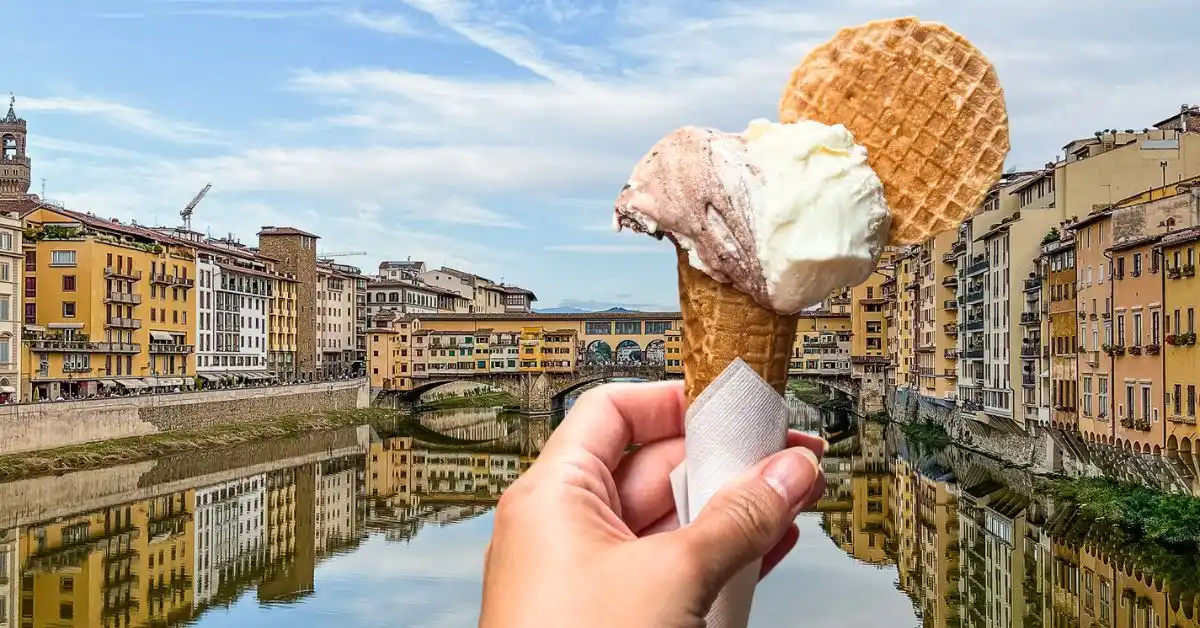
(1159, 256)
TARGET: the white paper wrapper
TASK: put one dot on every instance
(735, 423)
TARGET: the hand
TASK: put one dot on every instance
(589, 535)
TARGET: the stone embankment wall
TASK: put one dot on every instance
(34, 427)
(1042, 451)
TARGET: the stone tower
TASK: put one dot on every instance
(14, 162)
(295, 251)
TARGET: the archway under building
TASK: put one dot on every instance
(629, 351)
(598, 352)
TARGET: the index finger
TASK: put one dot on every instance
(606, 420)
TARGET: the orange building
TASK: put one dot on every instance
(1136, 347)
(1093, 238)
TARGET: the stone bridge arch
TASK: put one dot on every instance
(510, 386)
(565, 386)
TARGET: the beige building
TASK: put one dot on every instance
(295, 255)
(906, 318)
(336, 319)
(11, 310)
(281, 326)
(937, 351)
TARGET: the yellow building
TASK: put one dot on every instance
(674, 351)
(1181, 356)
(907, 273)
(937, 353)
(281, 326)
(106, 306)
(822, 346)
(131, 560)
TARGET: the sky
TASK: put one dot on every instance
(493, 135)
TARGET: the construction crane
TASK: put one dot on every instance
(186, 213)
(341, 254)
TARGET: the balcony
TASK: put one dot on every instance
(973, 353)
(76, 368)
(978, 266)
(974, 325)
(1030, 352)
(912, 285)
(951, 329)
(950, 354)
(122, 273)
(950, 281)
(1033, 284)
(124, 323)
(170, 347)
(118, 347)
(975, 296)
(127, 298)
(1186, 420)
(1030, 318)
(950, 258)
(958, 247)
(950, 373)
(45, 345)
(839, 301)
(950, 304)
(172, 280)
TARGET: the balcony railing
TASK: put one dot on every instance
(173, 280)
(1033, 284)
(123, 297)
(950, 281)
(978, 266)
(124, 323)
(122, 273)
(974, 296)
(76, 368)
(58, 346)
(950, 258)
(1030, 351)
(170, 347)
(973, 353)
(1030, 318)
(118, 347)
(974, 325)
(950, 328)
(951, 354)
(950, 304)
(950, 373)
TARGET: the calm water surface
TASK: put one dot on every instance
(386, 526)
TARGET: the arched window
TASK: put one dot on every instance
(9, 146)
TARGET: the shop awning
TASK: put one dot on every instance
(108, 383)
(132, 383)
(152, 381)
(161, 336)
(170, 381)
(7, 389)
(209, 377)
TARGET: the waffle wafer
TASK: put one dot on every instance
(926, 104)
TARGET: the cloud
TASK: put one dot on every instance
(540, 124)
(122, 116)
(606, 248)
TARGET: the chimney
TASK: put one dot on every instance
(1184, 110)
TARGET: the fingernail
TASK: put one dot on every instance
(824, 447)
(791, 473)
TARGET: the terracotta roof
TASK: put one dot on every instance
(1131, 243)
(272, 230)
(1090, 218)
(1182, 236)
(570, 316)
(112, 225)
(517, 290)
(249, 271)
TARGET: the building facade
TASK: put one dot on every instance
(1137, 289)
(295, 255)
(107, 306)
(1181, 357)
(11, 304)
(1062, 331)
(337, 320)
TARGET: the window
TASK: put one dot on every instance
(62, 258)
(6, 241)
(1154, 331)
(5, 308)
(31, 313)
(1191, 400)
(1129, 406)
(1178, 400)
(1102, 395)
(68, 283)
(1087, 396)
(31, 286)
(1121, 329)
(5, 351)
(5, 271)
(1137, 264)
(1146, 402)
(1137, 328)
(68, 309)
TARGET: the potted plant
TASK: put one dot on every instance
(1172, 340)
(1135, 350)
(1188, 270)
(1153, 349)
(1173, 273)
(1189, 338)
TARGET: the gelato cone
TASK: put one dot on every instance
(721, 324)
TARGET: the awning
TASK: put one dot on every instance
(108, 383)
(7, 389)
(132, 383)
(210, 377)
(151, 381)
(170, 381)
(161, 336)
(65, 325)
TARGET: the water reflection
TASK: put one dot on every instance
(386, 524)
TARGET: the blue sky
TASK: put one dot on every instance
(493, 135)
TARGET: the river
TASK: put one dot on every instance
(386, 526)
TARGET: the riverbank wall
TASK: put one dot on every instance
(1041, 450)
(34, 427)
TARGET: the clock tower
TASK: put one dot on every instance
(14, 162)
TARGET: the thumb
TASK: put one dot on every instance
(745, 519)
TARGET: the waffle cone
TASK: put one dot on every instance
(926, 104)
(721, 324)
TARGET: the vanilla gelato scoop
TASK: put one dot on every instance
(787, 213)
